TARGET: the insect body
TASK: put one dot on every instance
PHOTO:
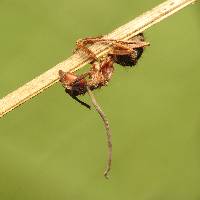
(124, 53)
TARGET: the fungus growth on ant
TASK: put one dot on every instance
(124, 53)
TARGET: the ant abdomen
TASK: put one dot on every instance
(129, 60)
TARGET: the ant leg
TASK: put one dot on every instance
(93, 40)
(130, 44)
(108, 132)
(123, 49)
(137, 44)
(117, 44)
(119, 52)
(82, 44)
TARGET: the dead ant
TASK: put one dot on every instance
(125, 53)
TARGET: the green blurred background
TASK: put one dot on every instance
(53, 148)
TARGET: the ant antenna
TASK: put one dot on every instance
(108, 132)
(81, 102)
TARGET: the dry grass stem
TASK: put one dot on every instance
(78, 60)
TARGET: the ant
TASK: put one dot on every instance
(124, 53)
